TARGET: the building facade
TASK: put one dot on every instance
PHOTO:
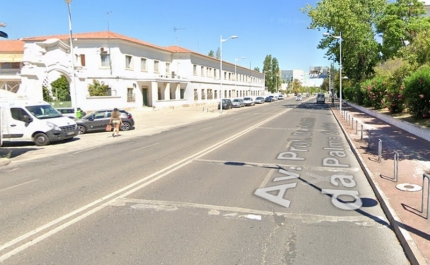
(139, 74)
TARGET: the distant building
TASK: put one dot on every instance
(427, 7)
(138, 73)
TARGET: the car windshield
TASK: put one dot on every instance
(43, 111)
(247, 99)
(235, 100)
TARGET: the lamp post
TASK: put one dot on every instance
(235, 72)
(340, 65)
(221, 40)
(75, 101)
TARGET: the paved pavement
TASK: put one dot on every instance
(403, 208)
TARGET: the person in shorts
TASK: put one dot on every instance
(116, 121)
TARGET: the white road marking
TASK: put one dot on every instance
(144, 147)
(234, 211)
(266, 179)
(108, 199)
(19, 185)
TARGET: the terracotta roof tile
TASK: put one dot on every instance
(12, 46)
(95, 35)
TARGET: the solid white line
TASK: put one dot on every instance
(206, 128)
(151, 178)
(19, 185)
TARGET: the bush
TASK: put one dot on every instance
(98, 89)
(394, 99)
(374, 91)
(417, 93)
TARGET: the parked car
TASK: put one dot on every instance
(259, 100)
(248, 101)
(226, 104)
(274, 97)
(70, 112)
(269, 99)
(238, 103)
(299, 97)
(98, 120)
(320, 98)
(280, 97)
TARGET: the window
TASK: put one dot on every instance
(196, 95)
(105, 60)
(10, 66)
(128, 62)
(182, 93)
(130, 95)
(156, 66)
(143, 64)
(210, 95)
(167, 68)
(202, 70)
(80, 59)
(210, 72)
(195, 69)
(18, 113)
(99, 115)
(203, 94)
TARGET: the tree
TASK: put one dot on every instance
(401, 23)
(60, 89)
(418, 52)
(211, 53)
(297, 86)
(276, 74)
(47, 95)
(267, 70)
(98, 88)
(356, 21)
(218, 53)
(257, 69)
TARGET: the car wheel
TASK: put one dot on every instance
(125, 126)
(82, 129)
(41, 139)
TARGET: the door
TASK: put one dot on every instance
(16, 124)
(145, 96)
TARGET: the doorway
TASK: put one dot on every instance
(145, 96)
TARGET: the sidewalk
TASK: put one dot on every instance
(148, 121)
(403, 207)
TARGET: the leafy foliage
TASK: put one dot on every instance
(374, 90)
(211, 53)
(46, 95)
(355, 21)
(401, 23)
(417, 93)
(218, 53)
(61, 89)
(98, 88)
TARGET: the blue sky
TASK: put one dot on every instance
(275, 27)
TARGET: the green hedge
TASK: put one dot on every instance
(417, 93)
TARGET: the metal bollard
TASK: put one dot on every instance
(356, 127)
(425, 176)
(361, 131)
(368, 139)
(396, 166)
(352, 123)
(380, 151)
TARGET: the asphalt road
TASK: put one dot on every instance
(271, 185)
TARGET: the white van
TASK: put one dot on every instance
(26, 120)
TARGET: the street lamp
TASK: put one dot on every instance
(340, 65)
(235, 74)
(72, 59)
(221, 40)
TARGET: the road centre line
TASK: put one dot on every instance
(307, 218)
(106, 200)
(24, 183)
(207, 128)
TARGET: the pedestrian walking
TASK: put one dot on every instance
(116, 121)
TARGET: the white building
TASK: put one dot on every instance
(290, 75)
(139, 73)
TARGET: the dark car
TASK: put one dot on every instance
(226, 104)
(98, 120)
(269, 99)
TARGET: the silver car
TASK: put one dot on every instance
(259, 100)
(238, 103)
